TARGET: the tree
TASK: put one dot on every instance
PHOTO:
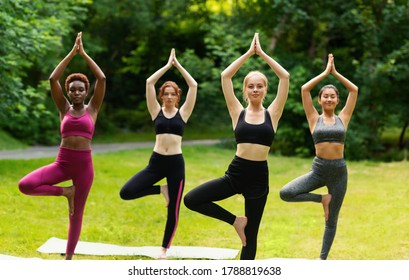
(31, 33)
(131, 38)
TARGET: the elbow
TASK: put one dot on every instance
(284, 77)
(225, 78)
(353, 90)
(102, 79)
(224, 75)
(193, 85)
(149, 81)
(304, 89)
(52, 78)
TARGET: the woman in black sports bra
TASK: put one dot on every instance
(166, 160)
(329, 167)
(254, 129)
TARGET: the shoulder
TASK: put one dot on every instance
(343, 121)
(159, 114)
(242, 113)
(268, 114)
(266, 111)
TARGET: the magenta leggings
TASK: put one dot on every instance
(75, 165)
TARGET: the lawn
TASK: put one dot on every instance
(373, 222)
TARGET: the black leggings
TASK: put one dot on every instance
(330, 173)
(142, 184)
(249, 178)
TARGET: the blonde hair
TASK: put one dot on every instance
(245, 82)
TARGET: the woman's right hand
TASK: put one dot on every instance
(330, 64)
(79, 44)
(175, 61)
(254, 44)
(76, 48)
(171, 57)
(257, 46)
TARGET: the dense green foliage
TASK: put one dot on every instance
(130, 39)
(31, 34)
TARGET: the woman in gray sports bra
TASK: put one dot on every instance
(329, 167)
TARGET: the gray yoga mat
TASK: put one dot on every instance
(56, 245)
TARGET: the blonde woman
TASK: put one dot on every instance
(254, 128)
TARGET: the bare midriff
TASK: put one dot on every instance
(329, 150)
(250, 151)
(76, 143)
(168, 144)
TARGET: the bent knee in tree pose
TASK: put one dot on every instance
(167, 159)
(74, 159)
(329, 168)
(254, 129)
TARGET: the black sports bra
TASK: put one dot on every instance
(262, 134)
(174, 125)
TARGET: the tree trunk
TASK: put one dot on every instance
(402, 143)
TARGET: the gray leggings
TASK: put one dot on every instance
(330, 173)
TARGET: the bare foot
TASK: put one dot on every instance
(69, 193)
(162, 255)
(239, 225)
(325, 200)
(165, 192)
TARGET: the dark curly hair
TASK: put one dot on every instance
(76, 77)
(174, 86)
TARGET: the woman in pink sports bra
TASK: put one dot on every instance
(74, 159)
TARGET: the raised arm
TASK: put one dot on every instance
(233, 104)
(97, 98)
(349, 107)
(151, 100)
(59, 98)
(187, 108)
(310, 111)
(277, 106)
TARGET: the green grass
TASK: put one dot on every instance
(373, 223)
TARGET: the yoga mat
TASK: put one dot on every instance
(56, 245)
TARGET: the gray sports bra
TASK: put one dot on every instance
(329, 133)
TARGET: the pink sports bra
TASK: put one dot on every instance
(77, 126)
